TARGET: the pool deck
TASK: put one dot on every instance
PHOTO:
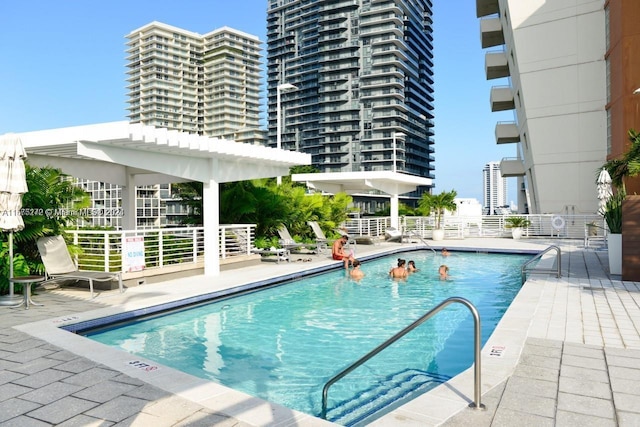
(566, 353)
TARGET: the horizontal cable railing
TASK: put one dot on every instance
(546, 225)
(102, 250)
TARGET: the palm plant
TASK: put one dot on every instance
(613, 212)
(620, 169)
(626, 166)
(517, 222)
(57, 200)
(439, 203)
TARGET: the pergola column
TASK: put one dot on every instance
(211, 222)
(394, 205)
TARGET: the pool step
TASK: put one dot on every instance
(388, 392)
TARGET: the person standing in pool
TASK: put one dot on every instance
(411, 266)
(445, 252)
(443, 271)
(399, 272)
(356, 273)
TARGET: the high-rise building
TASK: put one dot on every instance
(572, 66)
(179, 80)
(359, 83)
(494, 188)
(206, 84)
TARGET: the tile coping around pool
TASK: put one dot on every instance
(499, 355)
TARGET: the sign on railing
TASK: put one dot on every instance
(134, 250)
(133, 254)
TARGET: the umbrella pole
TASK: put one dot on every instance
(10, 264)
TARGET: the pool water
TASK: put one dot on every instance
(284, 343)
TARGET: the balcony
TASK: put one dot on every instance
(511, 167)
(502, 99)
(491, 32)
(507, 133)
(486, 8)
(496, 65)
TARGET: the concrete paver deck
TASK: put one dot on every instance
(571, 349)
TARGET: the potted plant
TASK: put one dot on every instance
(613, 217)
(516, 224)
(438, 203)
(621, 169)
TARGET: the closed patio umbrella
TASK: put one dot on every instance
(13, 184)
(603, 186)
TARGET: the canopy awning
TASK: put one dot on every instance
(132, 155)
(357, 182)
(391, 183)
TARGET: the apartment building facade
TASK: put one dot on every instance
(206, 84)
(359, 84)
(494, 189)
(179, 80)
(549, 60)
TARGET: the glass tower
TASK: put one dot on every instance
(363, 77)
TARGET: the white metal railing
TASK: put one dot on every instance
(546, 225)
(102, 250)
(236, 239)
(369, 226)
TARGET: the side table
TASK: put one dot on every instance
(26, 282)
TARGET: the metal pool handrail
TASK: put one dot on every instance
(556, 270)
(413, 234)
(476, 320)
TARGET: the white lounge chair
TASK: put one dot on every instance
(393, 235)
(59, 265)
(321, 240)
(287, 242)
(281, 254)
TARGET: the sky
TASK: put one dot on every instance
(62, 63)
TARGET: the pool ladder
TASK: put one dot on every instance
(476, 346)
(557, 270)
(411, 233)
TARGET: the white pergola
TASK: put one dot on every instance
(131, 155)
(391, 183)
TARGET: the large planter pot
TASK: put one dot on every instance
(614, 247)
(438, 234)
(516, 232)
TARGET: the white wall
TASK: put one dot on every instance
(559, 81)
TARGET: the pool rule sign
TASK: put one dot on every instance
(497, 350)
(133, 252)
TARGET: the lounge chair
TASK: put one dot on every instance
(393, 235)
(281, 254)
(321, 240)
(288, 243)
(595, 233)
(362, 239)
(59, 265)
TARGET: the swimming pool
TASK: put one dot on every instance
(282, 344)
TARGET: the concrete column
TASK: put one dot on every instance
(128, 194)
(211, 222)
(395, 203)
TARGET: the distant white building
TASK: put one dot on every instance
(494, 188)
(467, 207)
